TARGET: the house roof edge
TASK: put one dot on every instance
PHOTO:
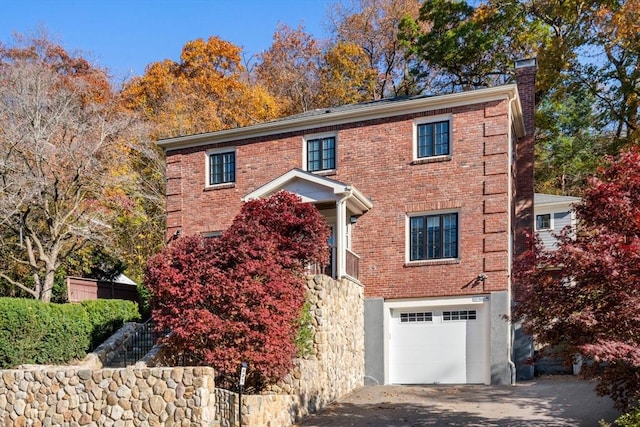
(338, 117)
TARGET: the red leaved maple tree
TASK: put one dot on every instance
(585, 296)
(238, 298)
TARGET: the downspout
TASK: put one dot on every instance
(341, 231)
(512, 366)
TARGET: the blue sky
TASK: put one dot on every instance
(126, 35)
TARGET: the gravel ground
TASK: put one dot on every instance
(545, 401)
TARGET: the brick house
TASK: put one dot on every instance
(426, 197)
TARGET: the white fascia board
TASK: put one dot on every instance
(361, 203)
(366, 112)
(556, 207)
(564, 205)
(282, 180)
(557, 204)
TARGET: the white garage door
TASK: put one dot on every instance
(443, 345)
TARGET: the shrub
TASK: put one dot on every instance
(585, 295)
(32, 331)
(629, 419)
(239, 298)
(107, 316)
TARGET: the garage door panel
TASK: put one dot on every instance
(438, 351)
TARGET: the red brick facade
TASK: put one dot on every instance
(376, 155)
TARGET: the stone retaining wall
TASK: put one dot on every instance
(336, 368)
(133, 396)
(170, 396)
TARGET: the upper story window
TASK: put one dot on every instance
(321, 154)
(222, 167)
(433, 236)
(433, 139)
(543, 222)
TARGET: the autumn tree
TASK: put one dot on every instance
(373, 25)
(203, 92)
(584, 296)
(345, 76)
(60, 133)
(138, 190)
(611, 71)
(237, 298)
(290, 69)
(206, 90)
(589, 61)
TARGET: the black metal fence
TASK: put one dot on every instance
(137, 345)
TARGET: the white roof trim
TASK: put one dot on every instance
(542, 200)
(338, 188)
(365, 112)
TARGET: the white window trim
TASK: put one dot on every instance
(407, 237)
(427, 120)
(306, 138)
(551, 221)
(207, 168)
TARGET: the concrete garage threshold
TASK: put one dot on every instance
(546, 401)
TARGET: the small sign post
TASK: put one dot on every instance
(243, 374)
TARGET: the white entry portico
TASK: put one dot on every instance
(341, 204)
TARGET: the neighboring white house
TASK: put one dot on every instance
(553, 213)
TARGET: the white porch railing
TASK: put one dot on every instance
(352, 265)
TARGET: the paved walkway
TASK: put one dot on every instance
(546, 401)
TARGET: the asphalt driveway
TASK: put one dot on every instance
(545, 401)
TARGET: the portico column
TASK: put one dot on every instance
(341, 230)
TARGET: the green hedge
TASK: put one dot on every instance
(107, 316)
(46, 333)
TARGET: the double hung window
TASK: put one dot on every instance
(321, 154)
(543, 222)
(222, 167)
(433, 139)
(433, 236)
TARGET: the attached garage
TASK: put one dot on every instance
(439, 344)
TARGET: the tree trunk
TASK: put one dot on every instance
(46, 291)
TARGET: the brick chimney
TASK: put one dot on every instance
(524, 221)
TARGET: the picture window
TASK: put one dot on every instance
(433, 236)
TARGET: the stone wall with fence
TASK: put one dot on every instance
(89, 395)
(335, 369)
